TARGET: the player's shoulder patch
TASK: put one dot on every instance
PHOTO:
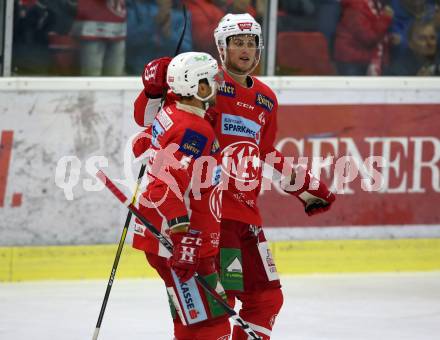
(227, 89)
(264, 101)
(264, 96)
(193, 143)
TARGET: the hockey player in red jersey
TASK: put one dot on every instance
(244, 119)
(182, 198)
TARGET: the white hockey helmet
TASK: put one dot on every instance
(187, 69)
(235, 24)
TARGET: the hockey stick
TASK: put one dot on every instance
(128, 219)
(161, 238)
(117, 257)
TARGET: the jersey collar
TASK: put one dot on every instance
(191, 109)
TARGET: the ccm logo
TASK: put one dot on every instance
(245, 105)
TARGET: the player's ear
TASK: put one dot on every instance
(204, 89)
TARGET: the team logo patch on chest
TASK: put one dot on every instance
(193, 143)
(240, 126)
(264, 102)
(227, 89)
(241, 161)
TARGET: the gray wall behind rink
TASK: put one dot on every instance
(55, 117)
(48, 125)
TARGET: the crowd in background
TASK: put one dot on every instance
(315, 37)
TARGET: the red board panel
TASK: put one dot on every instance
(407, 137)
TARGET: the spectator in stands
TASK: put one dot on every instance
(256, 8)
(30, 55)
(406, 12)
(220, 3)
(310, 16)
(153, 30)
(329, 12)
(422, 57)
(101, 29)
(205, 16)
(361, 44)
(34, 22)
(298, 15)
(240, 6)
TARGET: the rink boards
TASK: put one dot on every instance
(291, 257)
(57, 222)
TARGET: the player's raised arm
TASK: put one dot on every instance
(155, 84)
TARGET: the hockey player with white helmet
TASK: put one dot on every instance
(244, 31)
(188, 215)
(245, 123)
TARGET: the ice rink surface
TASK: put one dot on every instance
(322, 307)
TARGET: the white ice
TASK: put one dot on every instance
(317, 307)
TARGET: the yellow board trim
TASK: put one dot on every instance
(291, 257)
(357, 256)
(70, 263)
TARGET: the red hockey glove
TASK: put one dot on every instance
(142, 142)
(313, 194)
(186, 248)
(154, 77)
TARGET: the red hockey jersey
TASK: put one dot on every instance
(245, 124)
(183, 172)
(244, 120)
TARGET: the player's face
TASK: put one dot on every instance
(206, 90)
(424, 41)
(241, 53)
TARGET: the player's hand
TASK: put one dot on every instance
(154, 77)
(315, 206)
(313, 194)
(142, 142)
(186, 248)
